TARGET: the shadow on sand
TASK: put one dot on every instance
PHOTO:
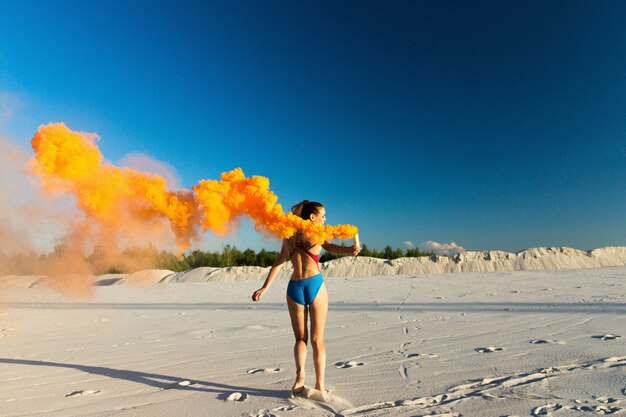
(156, 380)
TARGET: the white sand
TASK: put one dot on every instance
(472, 344)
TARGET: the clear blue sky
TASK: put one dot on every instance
(496, 125)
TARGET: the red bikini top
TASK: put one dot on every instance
(313, 256)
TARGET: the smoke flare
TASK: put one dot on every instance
(122, 201)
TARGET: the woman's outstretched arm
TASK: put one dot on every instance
(332, 248)
(274, 270)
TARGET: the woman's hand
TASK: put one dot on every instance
(256, 296)
(342, 249)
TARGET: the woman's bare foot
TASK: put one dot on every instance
(318, 395)
(298, 386)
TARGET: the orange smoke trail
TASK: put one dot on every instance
(235, 195)
(121, 199)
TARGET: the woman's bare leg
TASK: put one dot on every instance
(319, 312)
(298, 314)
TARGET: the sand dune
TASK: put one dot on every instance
(534, 259)
(487, 261)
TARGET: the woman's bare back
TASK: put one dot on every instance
(303, 265)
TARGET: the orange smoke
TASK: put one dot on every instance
(235, 195)
(117, 198)
(122, 201)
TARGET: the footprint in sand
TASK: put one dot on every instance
(605, 400)
(348, 364)
(264, 413)
(421, 355)
(79, 393)
(597, 409)
(264, 370)
(237, 396)
(544, 410)
(285, 408)
(607, 337)
(547, 342)
(489, 349)
(184, 383)
(403, 371)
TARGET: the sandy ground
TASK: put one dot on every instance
(465, 344)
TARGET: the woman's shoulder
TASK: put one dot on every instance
(299, 241)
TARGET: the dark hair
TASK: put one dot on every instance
(306, 208)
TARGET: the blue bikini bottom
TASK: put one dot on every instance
(304, 291)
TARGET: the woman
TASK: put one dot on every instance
(306, 292)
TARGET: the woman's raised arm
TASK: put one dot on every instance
(346, 250)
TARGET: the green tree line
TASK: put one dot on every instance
(134, 259)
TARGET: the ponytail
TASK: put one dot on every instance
(306, 208)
